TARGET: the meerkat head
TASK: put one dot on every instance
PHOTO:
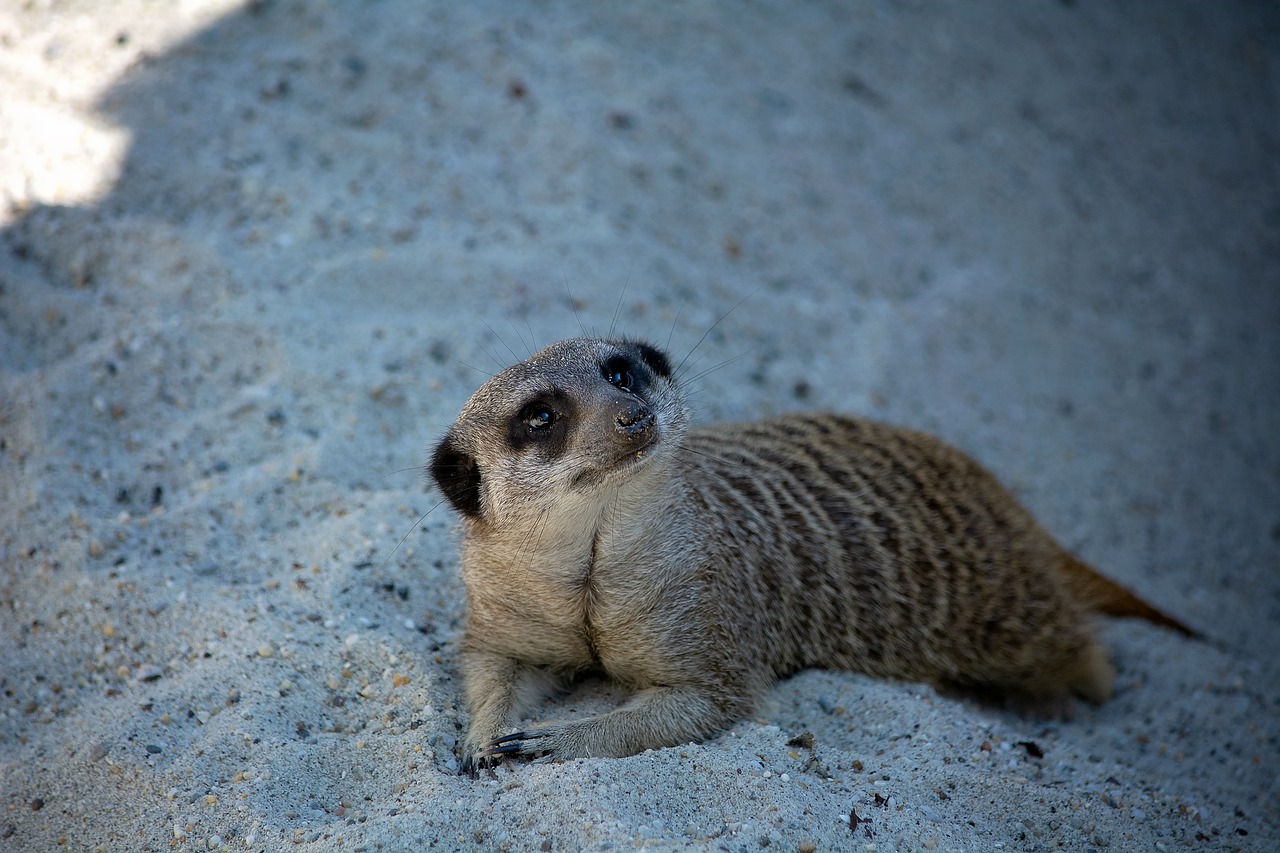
(567, 427)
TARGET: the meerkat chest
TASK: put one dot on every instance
(633, 623)
(608, 600)
(532, 609)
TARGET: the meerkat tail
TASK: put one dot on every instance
(1106, 596)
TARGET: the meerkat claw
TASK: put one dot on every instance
(471, 765)
(514, 736)
(516, 743)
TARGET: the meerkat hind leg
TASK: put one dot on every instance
(1087, 673)
(1089, 676)
(1049, 693)
(1093, 676)
(652, 718)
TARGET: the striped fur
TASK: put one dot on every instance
(699, 566)
(926, 544)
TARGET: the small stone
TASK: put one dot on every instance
(265, 650)
(97, 752)
(154, 748)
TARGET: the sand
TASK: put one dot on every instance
(254, 258)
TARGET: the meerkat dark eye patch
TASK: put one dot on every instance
(542, 421)
(656, 359)
(458, 476)
(617, 371)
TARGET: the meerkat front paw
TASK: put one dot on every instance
(476, 758)
(654, 718)
(477, 751)
(558, 740)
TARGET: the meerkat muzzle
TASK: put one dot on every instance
(636, 419)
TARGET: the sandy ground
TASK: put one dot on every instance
(254, 259)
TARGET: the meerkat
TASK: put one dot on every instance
(698, 566)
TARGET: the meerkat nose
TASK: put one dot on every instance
(635, 418)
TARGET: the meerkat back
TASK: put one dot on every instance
(894, 554)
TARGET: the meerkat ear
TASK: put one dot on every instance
(656, 359)
(458, 476)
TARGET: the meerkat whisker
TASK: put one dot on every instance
(711, 328)
(528, 345)
(501, 340)
(713, 368)
(473, 367)
(421, 519)
(617, 309)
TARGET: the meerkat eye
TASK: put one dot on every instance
(543, 422)
(540, 418)
(617, 372)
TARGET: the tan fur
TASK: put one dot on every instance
(699, 566)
